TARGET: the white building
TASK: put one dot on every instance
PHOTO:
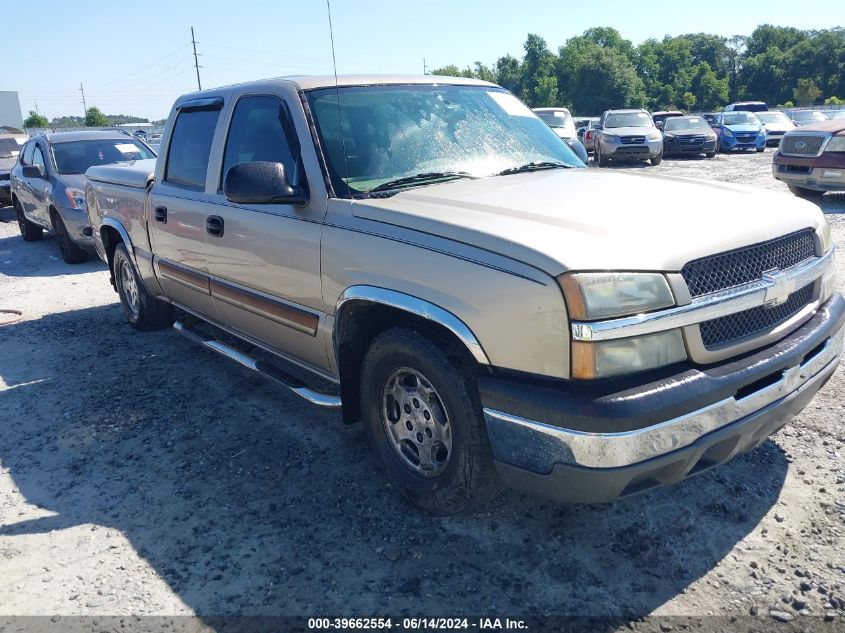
(10, 109)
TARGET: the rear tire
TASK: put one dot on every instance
(29, 232)
(71, 253)
(801, 192)
(424, 423)
(143, 311)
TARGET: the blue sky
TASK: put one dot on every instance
(135, 57)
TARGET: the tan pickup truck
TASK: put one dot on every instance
(427, 254)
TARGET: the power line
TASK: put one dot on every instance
(196, 63)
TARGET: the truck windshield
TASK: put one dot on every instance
(740, 118)
(686, 123)
(372, 135)
(75, 157)
(628, 119)
(556, 118)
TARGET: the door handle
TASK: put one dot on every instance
(214, 225)
(161, 214)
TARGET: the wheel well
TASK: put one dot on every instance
(361, 322)
(111, 238)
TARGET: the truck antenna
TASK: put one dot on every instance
(337, 96)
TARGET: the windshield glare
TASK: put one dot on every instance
(628, 119)
(740, 118)
(75, 157)
(377, 134)
(684, 123)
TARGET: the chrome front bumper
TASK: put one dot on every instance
(766, 389)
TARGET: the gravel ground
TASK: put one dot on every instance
(142, 475)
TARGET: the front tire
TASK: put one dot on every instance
(656, 160)
(601, 161)
(29, 232)
(711, 154)
(424, 423)
(143, 311)
(71, 253)
(760, 150)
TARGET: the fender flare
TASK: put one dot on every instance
(124, 235)
(412, 305)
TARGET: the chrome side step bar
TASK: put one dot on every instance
(267, 370)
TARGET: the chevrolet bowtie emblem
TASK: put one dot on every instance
(781, 286)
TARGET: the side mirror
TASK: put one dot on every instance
(659, 125)
(33, 171)
(261, 182)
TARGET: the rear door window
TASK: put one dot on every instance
(260, 131)
(190, 147)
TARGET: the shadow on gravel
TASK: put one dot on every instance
(248, 502)
(40, 259)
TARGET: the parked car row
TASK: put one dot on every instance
(415, 253)
(48, 184)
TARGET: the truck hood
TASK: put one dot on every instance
(591, 219)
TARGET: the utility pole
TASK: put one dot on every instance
(424, 68)
(196, 63)
(36, 107)
(84, 107)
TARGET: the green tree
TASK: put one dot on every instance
(537, 66)
(35, 120)
(545, 92)
(447, 71)
(806, 92)
(508, 73)
(688, 100)
(95, 118)
(606, 79)
(834, 101)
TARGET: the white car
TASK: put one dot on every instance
(776, 124)
(559, 119)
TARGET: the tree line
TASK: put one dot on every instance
(93, 118)
(600, 69)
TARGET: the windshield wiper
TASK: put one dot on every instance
(534, 166)
(421, 179)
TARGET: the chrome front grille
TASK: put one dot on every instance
(632, 140)
(802, 144)
(692, 140)
(743, 265)
(734, 327)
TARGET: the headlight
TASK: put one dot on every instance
(593, 296)
(76, 197)
(610, 138)
(836, 144)
(825, 236)
(655, 135)
(727, 132)
(627, 355)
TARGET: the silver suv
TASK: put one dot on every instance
(628, 135)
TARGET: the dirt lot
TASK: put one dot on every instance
(141, 475)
